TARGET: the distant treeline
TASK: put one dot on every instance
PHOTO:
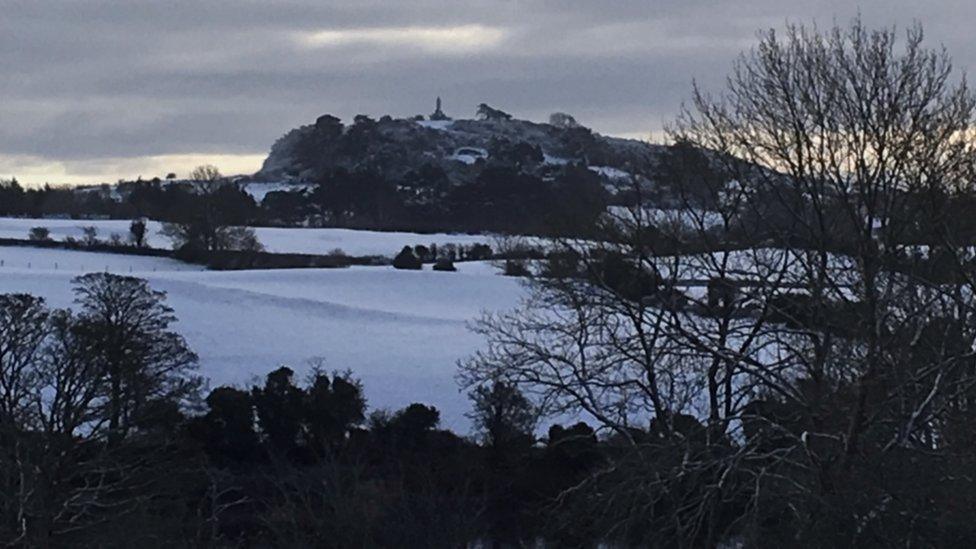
(501, 199)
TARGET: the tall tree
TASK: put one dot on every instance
(137, 233)
(127, 326)
(79, 397)
(811, 329)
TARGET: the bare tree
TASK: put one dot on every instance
(39, 234)
(215, 221)
(89, 236)
(207, 177)
(203, 234)
(126, 324)
(23, 321)
(77, 393)
(809, 304)
(502, 415)
(863, 135)
(137, 233)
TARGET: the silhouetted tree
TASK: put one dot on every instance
(39, 234)
(137, 233)
(444, 264)
(214, 218)
(227, 429)
(332, 408)
(126, 327)
(279, 407)
(824, 332)
(83, 454)
(89, 236)
(488, 113)
(502, 415)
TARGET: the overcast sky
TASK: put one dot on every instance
(96, 90)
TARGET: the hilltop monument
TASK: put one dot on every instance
(438, 113)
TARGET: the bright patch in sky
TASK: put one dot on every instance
(34, 170)
(458, 39)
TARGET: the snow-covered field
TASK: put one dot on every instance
(16, 227)
(323, 241)
(285, 240)
(401, 332)
(41, 260)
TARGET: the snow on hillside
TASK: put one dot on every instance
(442, 125)
(554, 160)
(260, 189)
(611, 173)
(469, 155)
(280, 240)
(400, 332)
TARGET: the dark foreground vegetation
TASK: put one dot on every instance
(815, 388)
(106, 439)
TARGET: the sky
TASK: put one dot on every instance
(97, 90)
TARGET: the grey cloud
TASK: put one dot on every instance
(109, 79)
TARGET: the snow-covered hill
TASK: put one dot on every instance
(394, 147)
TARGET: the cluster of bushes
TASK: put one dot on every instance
(443, 257)
(310, 468)
(136, 237)
(134, 243)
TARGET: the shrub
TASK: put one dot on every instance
(445, 264)
(39, 233)
(407, 260)
(137, 232)
(90, 236)
(516, 268)
(479, 252)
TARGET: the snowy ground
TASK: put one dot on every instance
(400, 332)
(42, 260)
(323, 241)
(287, 240)
(260, 189)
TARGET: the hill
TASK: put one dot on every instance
(460, 148)
(422, 174)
